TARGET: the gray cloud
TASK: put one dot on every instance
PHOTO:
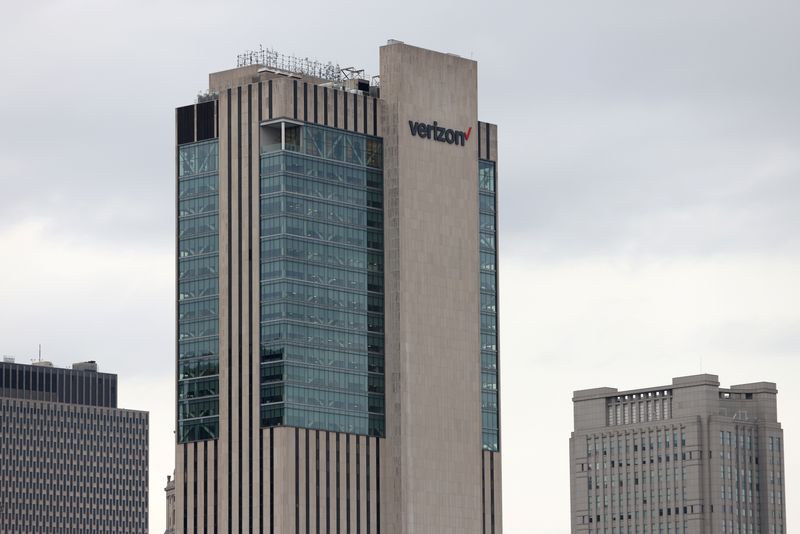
(651, 130)
(629, 132)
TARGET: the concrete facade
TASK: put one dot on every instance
(432, 300)
(428, 472)
(169, 491)
(70, 460)
(688, 458)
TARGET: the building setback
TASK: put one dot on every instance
(70, 460)
(688, 458)
(336, 264)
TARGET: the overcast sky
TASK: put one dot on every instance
(649, 188)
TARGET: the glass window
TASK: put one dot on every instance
(488, 323)
(374, 153)
(322, 265)
(487, 222)
(488, 282)
(487, 241)
(490, 440)
(488, 261)
(486, 176)
(191, 349)
(486, 203)
(198, 246)
(198, 288)
(488, 287)
(197, 158)
(488, 380)
(197, 226)
(197, 205)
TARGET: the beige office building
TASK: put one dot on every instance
(686, 458)
(337, 353)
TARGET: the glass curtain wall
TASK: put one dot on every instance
(322, 333)
(488, 285)
(198, 291)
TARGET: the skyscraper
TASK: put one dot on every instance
(687, 458)
(70, 460)
(337, 300)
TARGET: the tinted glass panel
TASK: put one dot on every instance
(198, 284)
(322, 281)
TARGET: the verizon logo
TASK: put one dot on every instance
(438, 133)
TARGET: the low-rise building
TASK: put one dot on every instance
(686, 458)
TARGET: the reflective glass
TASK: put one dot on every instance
(198, 367)
(322, 358)
(187, 330)
(488, 282)
(318, 274)
(297, 226)
(198, 246)
(198, 158)
(198, 289)
(488, 261)
(191, 389)
(205, 267)
(198, 309)
(488, 302)
(488, 287)
(316, 336)
(197, 185)
(198, 408)
(486, 176)
(486, 202)
(195, 348)
(488, 322)
(194, 430)
(487, 222)
(489, 400)
(313, 252)
(313, 315)
(198, 205)
(317, 188)
(321, 233)
(193, 226)
(489, 420)
(490, 440)
(314, 209)
(489, 380)
(487, 241)
(313, 294)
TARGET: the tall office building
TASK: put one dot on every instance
(70, 460)
(337, 300)
(688, 458)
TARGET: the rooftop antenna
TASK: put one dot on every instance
(290, 64)
(39, 357)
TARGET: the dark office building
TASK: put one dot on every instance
(70, 460)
